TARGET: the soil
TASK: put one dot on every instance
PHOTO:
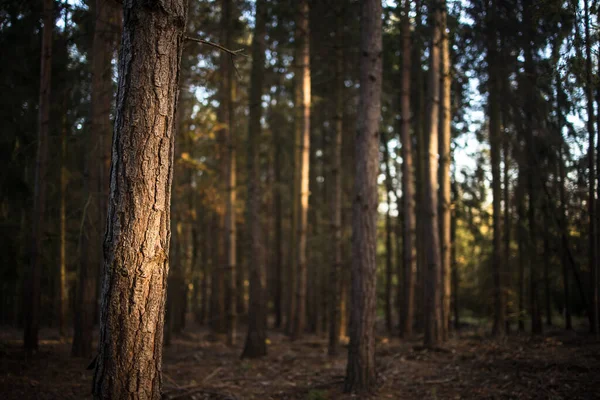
(197, 365)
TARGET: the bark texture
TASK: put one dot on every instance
(360, 372)
(136, 243)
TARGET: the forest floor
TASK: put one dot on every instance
(559, 365)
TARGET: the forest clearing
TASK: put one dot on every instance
(299, 199)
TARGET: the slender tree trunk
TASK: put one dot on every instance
(63, 288)
(445, 160)
(136, 243)
(389, 267)
(31, 292)
(593, 312)
(303, 68)
(521, 241)
(255, 340)
(408, 192)
(547, 298)
(432, 290)
(335, 284)
(507, 218)
(495, 127)
(277, 191)
(360, 372)
(455, 275)
(563, 218)
(227, 117)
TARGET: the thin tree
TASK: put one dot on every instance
(336, 201)
(257, 314)
(137, 237)
(389, 266)
(31, 292)
(594, 303)
(303, 151)
(444, 173)
(408, 192)
(432, 287)
(360, 371)
(495, 127)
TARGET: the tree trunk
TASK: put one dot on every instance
(63, 287)
(565, 228)
(594, 303)
(335, 284)
(408, 192)
(389, 267)
(136, 243)
(432, 290)
(302, 118)
(445, 160)
(255, 340)
(360, 372)
(31, 292)
(227, 118)
(495, 127)
(521, 241)
(533, 169)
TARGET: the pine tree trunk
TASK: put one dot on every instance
(593, 262)
(445, 160)
(303, 118)
(336, 277)
(408, 191)
(360, 372)
(563, 218)
(433, 287)
(533, 170)
(63, 288)
(136, 243)
(521, 241)
(255, 340)
(389, 267)
(227, 117)
(495, 127)
(31, 292)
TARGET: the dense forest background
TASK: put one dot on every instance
(488, 166)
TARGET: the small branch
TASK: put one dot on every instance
(233, 53)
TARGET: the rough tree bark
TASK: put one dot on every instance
(255, 339)
(137, 237)
(360, 372)
(31, 292)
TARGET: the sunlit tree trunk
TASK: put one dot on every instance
(445, 160)
(255, 340)
(31, 292)
(302, 118)
(433, 287)
(136, 244)
(360, 372)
